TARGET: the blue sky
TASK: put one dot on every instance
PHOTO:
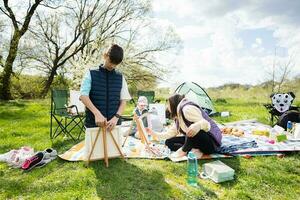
(230, 41)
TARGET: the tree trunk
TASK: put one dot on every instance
(48, 82)
(6, 75)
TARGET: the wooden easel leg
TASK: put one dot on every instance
(128, 132)
(93, 147)
(116, 144)
(105, 147)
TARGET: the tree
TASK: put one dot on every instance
(281, 71)
(1, 50)
(142, 65)
(87, 23)
(19, 29)
(143, 46)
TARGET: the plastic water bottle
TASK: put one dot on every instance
(289, 126)
(192, 169)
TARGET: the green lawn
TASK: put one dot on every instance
(27, 123)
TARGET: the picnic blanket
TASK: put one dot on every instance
(231, 145)
(133, 148)
(262, 147)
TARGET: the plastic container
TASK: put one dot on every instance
(289, 126)
(192, 169)
(281, 137)
(217, 171)
(297, 131)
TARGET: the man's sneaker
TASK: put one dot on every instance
(50, 154)
(43, 163)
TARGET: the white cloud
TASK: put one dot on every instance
(258, 41)
(226, 58)
(181, 8)
(193, 31)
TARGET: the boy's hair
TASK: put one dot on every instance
(115, 54)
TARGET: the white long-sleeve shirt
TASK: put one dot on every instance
(192, 114)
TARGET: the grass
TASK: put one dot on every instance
(27, 123)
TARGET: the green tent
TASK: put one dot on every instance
(197, 94)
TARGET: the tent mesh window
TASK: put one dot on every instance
(197, 94)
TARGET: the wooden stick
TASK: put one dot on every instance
(128, 132)
(141, 133)
(93, 147)
(116, 144)
(105, 146)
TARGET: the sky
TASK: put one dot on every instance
(230, 41)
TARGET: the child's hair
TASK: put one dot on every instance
(174, 100)
(142, 100)
(115, 54)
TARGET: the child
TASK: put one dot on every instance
(104, 91)
(200, 133)
(141, 109)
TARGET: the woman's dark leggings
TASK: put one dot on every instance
(202, 141)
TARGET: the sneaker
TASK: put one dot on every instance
(50, 153)
(33, 161)
(43, 163)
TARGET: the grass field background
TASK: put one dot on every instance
(27, 123)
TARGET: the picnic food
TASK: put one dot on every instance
(232, 131)
(261, 132)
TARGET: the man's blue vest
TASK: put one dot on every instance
(105, 94)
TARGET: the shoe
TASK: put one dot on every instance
(43, 163)
(197, 153)
(50, 154)
(178, 154)
(33, 161)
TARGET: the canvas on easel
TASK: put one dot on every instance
(159, 110)
(100, 144)
(141, 130)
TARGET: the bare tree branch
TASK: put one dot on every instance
(11, 15)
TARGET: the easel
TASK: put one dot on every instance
(104, 128)
(140, 129)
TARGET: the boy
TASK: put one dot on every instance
(104, 91)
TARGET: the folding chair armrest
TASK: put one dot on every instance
(293, 107)
(127, 117)
(74, 106)
(132, 102)
(157, 101)
(64, 108)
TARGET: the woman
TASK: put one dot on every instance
(200, 133)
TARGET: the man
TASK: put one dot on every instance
(104, 91)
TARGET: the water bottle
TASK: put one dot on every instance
(289, 126)
(192, 169)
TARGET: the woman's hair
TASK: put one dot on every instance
(174, 100)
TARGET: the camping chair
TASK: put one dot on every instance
(65, 119)
(281, 103)
(150, 97)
